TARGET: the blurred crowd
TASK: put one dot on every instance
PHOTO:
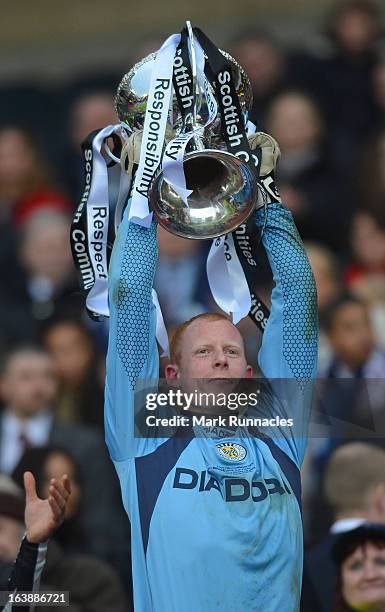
(326, 108)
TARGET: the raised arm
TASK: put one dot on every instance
(288, 355)
(42, 518)
(289, 345)
(132, 349)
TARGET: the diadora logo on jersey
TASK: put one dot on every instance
(230, 489)
(231, 451)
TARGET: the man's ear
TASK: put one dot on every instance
(249, 372)
(378, 500)
(171, 371)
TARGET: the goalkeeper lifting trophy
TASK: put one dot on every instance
(215, 511)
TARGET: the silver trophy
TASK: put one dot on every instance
(224, 188)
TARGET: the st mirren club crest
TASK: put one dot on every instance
(231, 451)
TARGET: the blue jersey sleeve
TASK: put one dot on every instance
(132, 348)
(288, 355)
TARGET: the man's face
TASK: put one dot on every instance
(351, 335)
(263, 63)
(210, 350)
(11, 533)
(45, 250)
(356, 31)
(71, 352)
(28, 384)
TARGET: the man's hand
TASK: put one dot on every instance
(268, 192)
(44, 516)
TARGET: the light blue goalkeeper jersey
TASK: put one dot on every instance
(212, 530)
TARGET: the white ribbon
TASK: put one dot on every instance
(227, 279)
(124, 188)
(239, 286)
(158, 103)
(225, 274)
(172, 163)
(97, 225)
(161, 332)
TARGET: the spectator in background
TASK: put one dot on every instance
(92, 584)
(49, 462)
(378, 80)
(11, 525)
(180, 278)
(354, 490)
(306, 178)
(43, 283)
(352, 341)
(28, 388)
(25, 185)
(360, 556)
(264, 63)
(78, 369)
(367, 271)
(355, 27)
(41, 518)
(371, 178)
(91, 111)
(345, 87)
(327, 277)
(350, 401)
(272, 69)
(365, 276)
(46, 258)
(326, 272)
(25, 179)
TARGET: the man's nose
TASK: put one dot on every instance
(220, 360)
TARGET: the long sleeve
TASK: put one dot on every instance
(132, 350)
(290, 341)
(288, 355)
(27, 570)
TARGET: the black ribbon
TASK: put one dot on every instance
(246, 237)
(79, 227)
(246, 240)
(218, 70)
(183, 82)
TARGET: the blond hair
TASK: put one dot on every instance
(352, 472)
(176, 340)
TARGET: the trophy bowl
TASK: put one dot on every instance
(224, 193)
(132, 94)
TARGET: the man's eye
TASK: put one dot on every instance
(202, 351)
(232, 351)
